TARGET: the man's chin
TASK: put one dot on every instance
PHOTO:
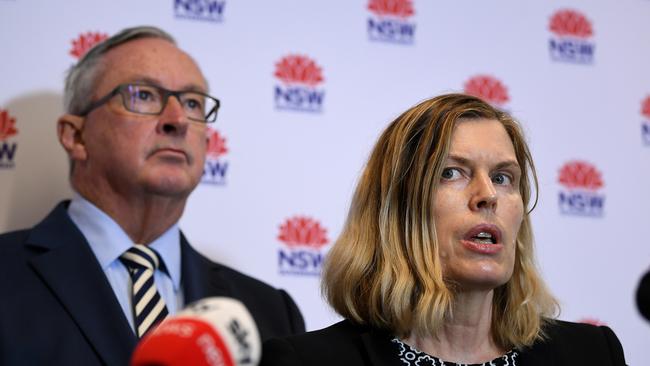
(171, 186)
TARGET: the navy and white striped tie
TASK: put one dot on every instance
(148, 307)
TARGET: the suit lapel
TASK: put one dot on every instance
(200, 278)
(71, 271)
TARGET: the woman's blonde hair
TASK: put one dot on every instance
(385, 270)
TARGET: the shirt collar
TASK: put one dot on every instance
(108, 240)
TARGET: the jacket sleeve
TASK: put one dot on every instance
(614, 345)
(296, 320)
(279, 352)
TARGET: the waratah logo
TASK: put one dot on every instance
(300, 70)
(570, 42)
(85, 42)
(205, 10)
(216, 166)
(645, 125)
(592, 321)
(303, 239)
(580, 196)
(398, 8)
(488, 88)
(389, 21)
(299, 78)
(570, 23)
(7, 131)
(645, 107)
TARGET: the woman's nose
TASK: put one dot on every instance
(484, 194)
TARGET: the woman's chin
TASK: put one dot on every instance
(481, 281)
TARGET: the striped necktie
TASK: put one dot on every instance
(148, 307)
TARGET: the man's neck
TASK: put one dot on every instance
(466, 337)
(143, 217)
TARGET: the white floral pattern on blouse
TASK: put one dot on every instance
(414, 357)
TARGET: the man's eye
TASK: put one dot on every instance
(192, 103)
(450, 173)
(501, 179)
(144, 96)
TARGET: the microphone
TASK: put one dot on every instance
(643, 296)
(215, 331)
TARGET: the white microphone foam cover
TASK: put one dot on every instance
(233, 322)
(215, 331)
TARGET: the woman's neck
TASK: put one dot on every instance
(467, 336)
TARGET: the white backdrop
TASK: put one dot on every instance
(307, 86)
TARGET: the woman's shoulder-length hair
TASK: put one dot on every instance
(385, 270)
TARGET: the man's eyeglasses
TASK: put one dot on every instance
(152, 100)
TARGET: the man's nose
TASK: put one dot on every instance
(484, 194)
(173, 119)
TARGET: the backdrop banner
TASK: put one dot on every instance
(306, 88)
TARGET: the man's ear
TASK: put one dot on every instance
(69, 129)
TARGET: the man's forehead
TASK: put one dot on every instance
(153, 60)
(149, 80)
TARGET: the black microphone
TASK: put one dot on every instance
(643, 296)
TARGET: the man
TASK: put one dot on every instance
(75, 290)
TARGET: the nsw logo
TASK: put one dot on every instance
(216, 166)
(298, 90)
(389, 21)
(7, 147)
(488, 88)
(208, 10)
(645, 125)
(303, 239)
(570, 41)
(580, 195)
(85, 42)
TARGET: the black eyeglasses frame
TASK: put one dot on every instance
(210, 116)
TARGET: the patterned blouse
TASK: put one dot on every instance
(414, 357)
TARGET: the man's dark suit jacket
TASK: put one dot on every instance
(58, 308)
(344, 343)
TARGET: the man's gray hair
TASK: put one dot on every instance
(81, 77)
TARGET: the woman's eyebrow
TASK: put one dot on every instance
(508, 164)
(500, 165)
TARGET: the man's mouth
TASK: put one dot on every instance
(170, 151)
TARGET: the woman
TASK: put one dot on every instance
(435, 262)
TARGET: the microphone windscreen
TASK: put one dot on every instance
(212, 331)
(643, 296)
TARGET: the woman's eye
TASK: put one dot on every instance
(450, 173)
(501, 179)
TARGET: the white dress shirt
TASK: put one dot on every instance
(109, 241)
